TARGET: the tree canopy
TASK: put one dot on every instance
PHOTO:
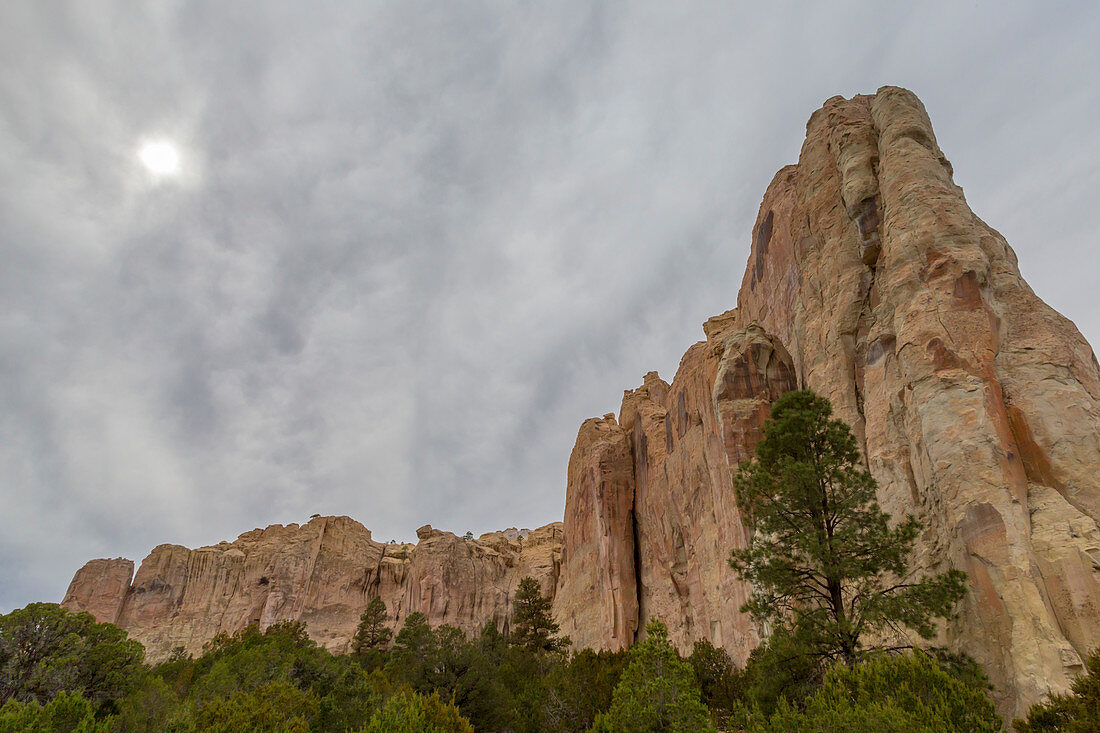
(372, 634)
(45, 649)
(911, 693)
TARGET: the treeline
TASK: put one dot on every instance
(62, 672)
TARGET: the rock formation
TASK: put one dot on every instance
(870, 281)
(978, 406)
(322, 573)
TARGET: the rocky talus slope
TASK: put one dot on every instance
(872, 282)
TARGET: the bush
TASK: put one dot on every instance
(910, 693)
(408, 712)
(722, 686)
(276, 707)
(67, 712)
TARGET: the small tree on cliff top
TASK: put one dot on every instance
(532, 625)
(824, 558)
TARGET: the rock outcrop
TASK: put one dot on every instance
(322, 573)
(597, 569)
(100, 587)
(869, 281)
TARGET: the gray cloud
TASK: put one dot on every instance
(414, 245)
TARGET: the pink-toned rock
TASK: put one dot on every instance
(671, 451)
(322, 573)
(100, 587)
(597, 596)
(977, 406)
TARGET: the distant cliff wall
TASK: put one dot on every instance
(323, 573)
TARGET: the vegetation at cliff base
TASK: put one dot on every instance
(532, 625)
(46, 650)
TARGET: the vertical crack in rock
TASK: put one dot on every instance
(639, 625)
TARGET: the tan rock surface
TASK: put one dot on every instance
(322, 573)
(978, 406)
(682, 438)
(597, 593)
(100, 587)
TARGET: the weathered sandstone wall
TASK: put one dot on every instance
(978, 406)
(323, 573)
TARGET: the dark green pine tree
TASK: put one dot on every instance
(824, 561)
(657, 692)
(372, 633)
(532, 625)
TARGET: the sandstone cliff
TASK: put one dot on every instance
(978, 407)
(870, 281)
(322, 573)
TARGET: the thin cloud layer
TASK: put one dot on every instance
(412, 246)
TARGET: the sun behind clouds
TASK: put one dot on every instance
(160, 157)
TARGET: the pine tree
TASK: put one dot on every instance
(532, 625)
(657, 692)
(824, 559)
(372, 634)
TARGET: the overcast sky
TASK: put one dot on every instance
(412, 245)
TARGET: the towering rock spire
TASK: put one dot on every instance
(872, 282)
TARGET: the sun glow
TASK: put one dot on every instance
(160, 157)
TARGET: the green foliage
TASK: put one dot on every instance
(274, 707)
(721, 685)
(280, 681)
(657, 692)
(778, 670)
(67, 712)
(824, 559)
(45, 649)
(257, 674)
(149, 707)
(372, 634)
(1075, 712)
(579, 690)
(408, 712)
(910, 694)
(532, 625)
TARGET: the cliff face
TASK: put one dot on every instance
(322, 573)
(978, 406)
(870, 281)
